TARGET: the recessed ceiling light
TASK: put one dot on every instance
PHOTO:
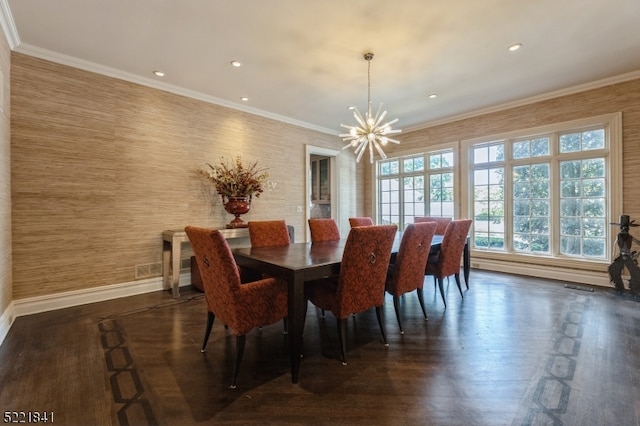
(515, 47)
(351, 107)
(433, 95)
(244, 99)
(158, 73)
(236, 64)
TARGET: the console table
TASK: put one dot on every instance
(172, 246)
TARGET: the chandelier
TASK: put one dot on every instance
(369, 132)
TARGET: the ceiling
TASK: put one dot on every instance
(302, 61)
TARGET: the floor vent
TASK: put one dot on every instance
(148, 270)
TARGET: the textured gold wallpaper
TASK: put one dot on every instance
(101, 167)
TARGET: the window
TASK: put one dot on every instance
(549, 193)
(416, 185)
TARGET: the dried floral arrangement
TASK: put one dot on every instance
(232, 178)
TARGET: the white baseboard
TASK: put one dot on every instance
(50, 302)
(6, 321)
(549, 272)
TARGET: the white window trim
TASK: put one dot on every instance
(453, 146)
(613, 125)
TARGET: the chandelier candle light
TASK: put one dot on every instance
(369, 132)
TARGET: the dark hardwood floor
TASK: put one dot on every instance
(514, 351)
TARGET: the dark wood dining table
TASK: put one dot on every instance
(298, 263)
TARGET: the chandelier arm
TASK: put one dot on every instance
(380, 118)
(360, 154)
(380, 151)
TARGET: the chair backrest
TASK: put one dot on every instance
(441, 221)
(360, 221)
(408, 269)
(363, 270)
(324, 230)
(219, 272)
(268, 233)
(452, 245)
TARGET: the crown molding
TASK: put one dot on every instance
(71, 61)
(9, 28)
(634, 75)
(8, 25)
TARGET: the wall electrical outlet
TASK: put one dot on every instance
(298, 209)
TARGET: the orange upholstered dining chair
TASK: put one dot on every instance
(241, 307)
(441, 221)
(406, 274)
(360, 221)
(446, 261)
(324, 230)
(360, 283)
(268, 233)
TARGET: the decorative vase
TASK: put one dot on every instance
(237, 206)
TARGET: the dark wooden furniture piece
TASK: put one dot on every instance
(298, 263)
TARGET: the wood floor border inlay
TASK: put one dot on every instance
(552, 392)
(126, 386)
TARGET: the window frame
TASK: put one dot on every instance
(612, 124)
(453, 147)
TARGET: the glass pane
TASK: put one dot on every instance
(594, 247)
(570, 245)
(540, 207)
(418, 163)
(435, 161)
(521, 150)
(447, 159)
(570, 143)
(570, 226)
(408, 165)
(496, 153)
(540, 147)
(570, 207)
(593, 139)
(593, 227)
(447, 210)
(521, 224)
(570, 169)
(521, 190)
(594, 207)
(481, 155)
(570, 188)
(496, 176)
(521, 174)
(521, 207)
(540, 243)
(593, 188)
(481, 177)
(593, 167)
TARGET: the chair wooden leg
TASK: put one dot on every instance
(240, 341)
(379, 316)
(342, 336)
(396, 303)
(457, 276)
(421, 300)
(441, 285)
(210, 318)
